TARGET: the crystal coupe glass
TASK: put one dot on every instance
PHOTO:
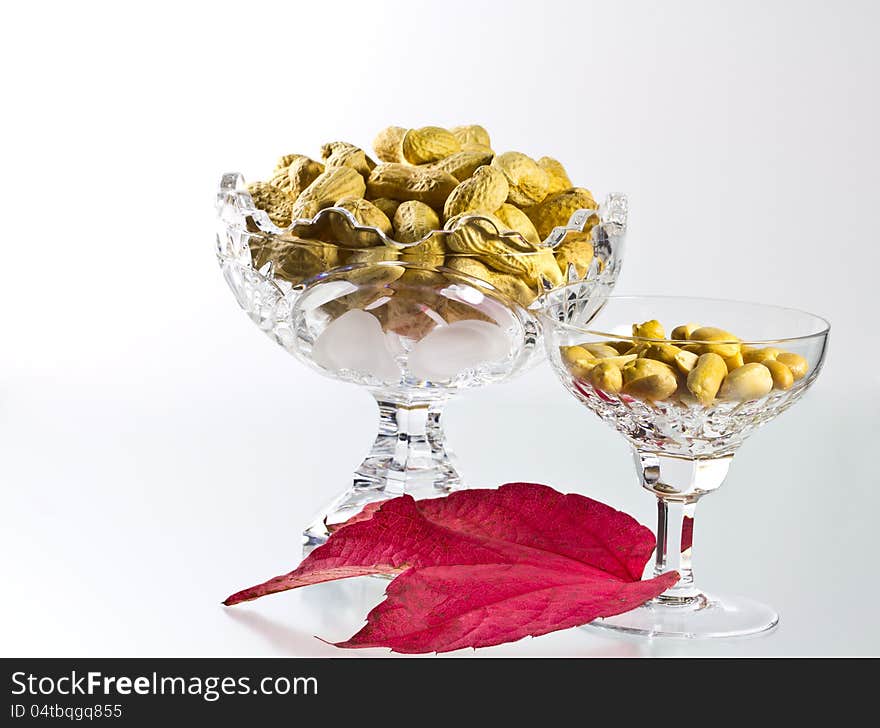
(682, 447)
(414, 324)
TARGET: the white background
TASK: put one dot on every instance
(157, 452)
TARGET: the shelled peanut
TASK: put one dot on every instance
(696, 365)
(429, 179)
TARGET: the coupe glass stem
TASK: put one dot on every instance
(674, 544)
(678, 483)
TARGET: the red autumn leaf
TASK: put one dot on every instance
(687, 533)
(516, 523)
(482, 567)
(443, 608)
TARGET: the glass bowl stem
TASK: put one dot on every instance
(409, 457)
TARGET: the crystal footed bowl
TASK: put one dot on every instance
(685, 401)
(414, 323)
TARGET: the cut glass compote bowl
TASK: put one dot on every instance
(683, 442)
(414, 324)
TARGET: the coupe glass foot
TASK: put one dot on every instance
(704, 617)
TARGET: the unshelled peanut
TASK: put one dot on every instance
(413, 220)
(485, 191)
(388, 144)
(428, 144)
(387, 205)
(366, 214)
(557, 177)
(557, 209)
(426, 177)
(295, 259)
(508, 285)
(348, 155)
(301, 173)
(517, 221)
(274, 201)
(527, 182)
(402, 182)
(575, 250)
(330, 186)
(472, 135)
(463, 164)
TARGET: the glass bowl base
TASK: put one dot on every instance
(428, 483)
(344, 507)
(708, 616)
(408, 457)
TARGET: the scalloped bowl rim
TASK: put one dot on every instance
(234, 182)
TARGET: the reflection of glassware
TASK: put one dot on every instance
(682, 448)
(414, 324)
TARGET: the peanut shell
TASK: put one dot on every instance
(506, 284)
(387, 205)
(576, 249)
(388, 144)
(481, 238)
(331, 185)
(463, 164)
(557, 177)
(413, 220)
(472, 135)
(274, 201)
(485, 191)
(402, 182)
(527, 182)
(428, 144)
(366, 214)
(296, 259)
(297, 175)
(516, 220)
(350, 156)
(557, 210)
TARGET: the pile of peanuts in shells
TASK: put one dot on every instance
(697, 365)
(426, 180)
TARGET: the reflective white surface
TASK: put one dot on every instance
(157, 452)
(132, 509)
